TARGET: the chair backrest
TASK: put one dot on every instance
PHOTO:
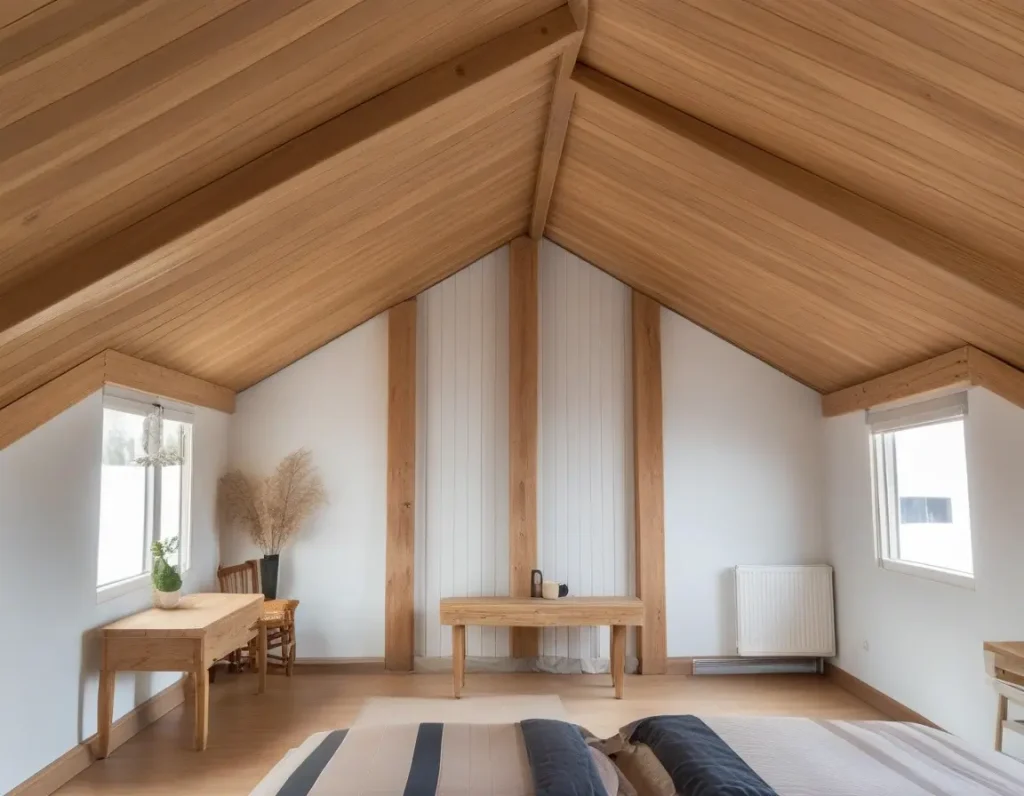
(240, 578)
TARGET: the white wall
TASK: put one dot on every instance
(585, 455)
(462, 467)
(924, 639)
(333, 402)
(743, 483)
(49, 532)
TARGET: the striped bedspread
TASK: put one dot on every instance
(537, 757)
(742, 756)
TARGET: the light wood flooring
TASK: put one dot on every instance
(249, 733)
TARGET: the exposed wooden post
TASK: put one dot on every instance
(649, 480)
(398, 591)
(558, 122)
(522, 431)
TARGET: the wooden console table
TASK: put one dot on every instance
(616, 612)
(189, 638)
(1004, 663)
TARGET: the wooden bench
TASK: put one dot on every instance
(616, 612)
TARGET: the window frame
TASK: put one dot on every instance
(132, 402)
(882, 425)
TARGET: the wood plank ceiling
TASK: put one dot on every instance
(221, 186)
(184, 92)
(915, 105)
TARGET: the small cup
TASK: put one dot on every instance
(549, 590)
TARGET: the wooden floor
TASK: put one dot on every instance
(249, 733)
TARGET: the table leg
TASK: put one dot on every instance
(201, 715)
(1002, 711)
(458, 658)
(262, 653)
(618, 658)
(105, 712)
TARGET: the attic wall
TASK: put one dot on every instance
(333, 402)
(917, 640)
(49, 537)
(742, 464)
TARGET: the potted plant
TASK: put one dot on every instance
(273, 509)
(166, 578)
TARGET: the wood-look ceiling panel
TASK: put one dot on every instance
(291, 273)
(111, 120)
(917, 105)
(647, 198)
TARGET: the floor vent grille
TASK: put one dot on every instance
(758, 666)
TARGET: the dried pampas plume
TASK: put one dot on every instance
(272, 510)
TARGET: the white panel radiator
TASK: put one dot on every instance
(782, 611)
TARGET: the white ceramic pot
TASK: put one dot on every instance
(166, 599)
(549, 590)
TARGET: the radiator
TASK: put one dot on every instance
(782, 611)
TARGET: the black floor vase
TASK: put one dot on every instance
(268, 575)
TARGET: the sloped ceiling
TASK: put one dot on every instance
(221, 186)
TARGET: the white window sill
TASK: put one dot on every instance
(138, 583)
(948, 576)
(122, 587)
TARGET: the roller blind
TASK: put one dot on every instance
(923, 413)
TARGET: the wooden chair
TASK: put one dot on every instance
(278, 615)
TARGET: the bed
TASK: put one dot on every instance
(656, 756)
(537, 756)
(744, 756)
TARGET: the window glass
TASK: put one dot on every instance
(921, 491)
(122, 552)
(141, 502)
(936, 529)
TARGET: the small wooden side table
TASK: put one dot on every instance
(1004, 663)
(616, 612)
(189, 638)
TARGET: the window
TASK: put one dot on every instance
(921, 504)
(141, 501)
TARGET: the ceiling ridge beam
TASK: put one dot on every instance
(108, 367)
(562, 99)
(998, 279)
(141, 251)
(963, 367)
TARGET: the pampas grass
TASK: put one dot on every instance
(273, 509)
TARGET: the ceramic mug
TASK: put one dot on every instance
(549, 590)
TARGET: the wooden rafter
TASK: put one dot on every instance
(558, 123)
(108, 367)
(159, 242)
(963, 367)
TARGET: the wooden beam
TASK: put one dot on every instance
(558, 123)
(1000, 280)
(400, 548)
(136, 374)
(996, 376)
(163, 240)
(45, 403)
(108, 367)
(947, 370)
(649, 481)
(962, 367)
(523, 388)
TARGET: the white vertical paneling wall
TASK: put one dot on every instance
(462, 451)
(585, 479)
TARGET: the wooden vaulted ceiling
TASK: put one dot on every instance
(221, 186)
